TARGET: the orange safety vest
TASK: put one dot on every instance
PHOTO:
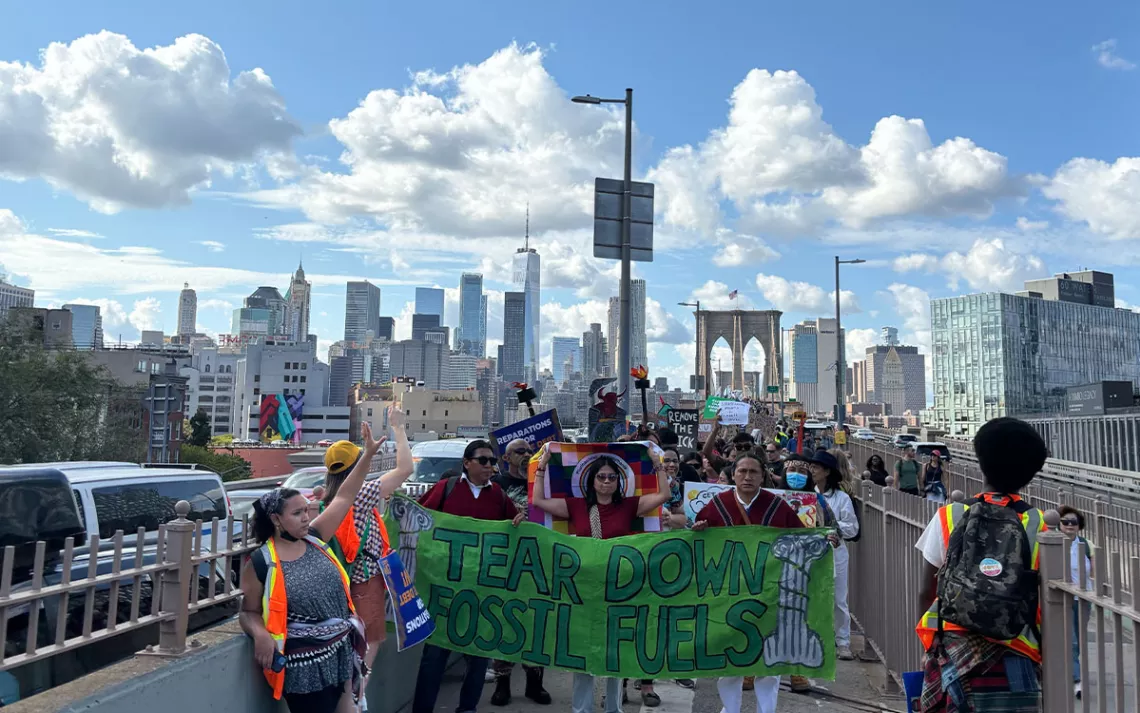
(349, 539)
(275, 606)
(1033, 521)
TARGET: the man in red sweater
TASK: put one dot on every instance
(471, 494)
(748, 504)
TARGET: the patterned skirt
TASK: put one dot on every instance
(970, 674)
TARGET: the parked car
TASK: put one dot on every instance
(434, 458)
(325, 443)
(53, 501)
(902, 440)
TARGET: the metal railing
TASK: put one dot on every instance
(1113, 633)
(156, 576)
(1113, 526)
(886, 576)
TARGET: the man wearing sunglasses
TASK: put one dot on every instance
(514, 484)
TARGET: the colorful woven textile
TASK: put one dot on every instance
(636, 464)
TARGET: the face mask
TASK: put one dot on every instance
(796, 481)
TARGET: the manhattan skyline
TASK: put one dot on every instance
(973, 200)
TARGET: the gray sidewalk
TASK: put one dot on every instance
(857, 688)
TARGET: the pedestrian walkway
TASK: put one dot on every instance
(857, 688)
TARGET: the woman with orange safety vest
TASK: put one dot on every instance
(361, 540)
(297, 604)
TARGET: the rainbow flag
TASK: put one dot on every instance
(565, 477)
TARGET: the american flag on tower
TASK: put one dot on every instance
(732, 295)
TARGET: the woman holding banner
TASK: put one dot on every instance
(603, 512)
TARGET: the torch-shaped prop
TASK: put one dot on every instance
(641, 374)
(526, 396)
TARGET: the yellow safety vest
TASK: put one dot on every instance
(1033, 521)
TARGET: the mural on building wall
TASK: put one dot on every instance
(277, 419)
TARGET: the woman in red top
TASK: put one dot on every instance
(603, 512)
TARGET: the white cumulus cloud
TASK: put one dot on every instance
(794, 296)
(1106, 196)
(1105, 53)
(987, 265)
(146, 314)
(121, 126)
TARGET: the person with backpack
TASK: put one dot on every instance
(748, 504)
(361, 540)
(297, 602)
(1072, 523)
(839, 513)
(906, 472)
(981, 629)
(471, 494)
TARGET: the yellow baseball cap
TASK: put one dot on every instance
(341, 456)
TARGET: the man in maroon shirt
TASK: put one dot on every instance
(748, 504)
(471, 494)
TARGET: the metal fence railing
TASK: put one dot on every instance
(86, 599)
(886, 574)
(1113, 526)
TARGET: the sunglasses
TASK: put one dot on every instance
(606, 477)
(1071, 521)
(523, 453)
(484, 460)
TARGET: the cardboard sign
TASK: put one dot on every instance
(684, 423)
(733, 413)
(536, 430)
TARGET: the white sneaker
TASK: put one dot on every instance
(490, 676)
(844, 653)
(362, 705)
(1077, 690)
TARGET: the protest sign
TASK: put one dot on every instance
(413, 622)
(536, 430)
(729, 601)
(712, 407)
(684, 423)
(733, 413)
(698, 495)
(635, 463)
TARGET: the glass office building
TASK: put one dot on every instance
(1014, 355)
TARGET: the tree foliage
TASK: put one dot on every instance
(199, 429)
(58, 406)
(230, 467)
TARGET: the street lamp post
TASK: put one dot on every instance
(697, 364)
(624, 336)
(840, 370)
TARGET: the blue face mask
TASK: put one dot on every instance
(796, 481)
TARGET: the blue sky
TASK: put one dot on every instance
(958, 149)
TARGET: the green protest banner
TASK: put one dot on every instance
(728, 601)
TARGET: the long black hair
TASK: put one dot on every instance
(871, 460)
(263, 527)
(591, 494)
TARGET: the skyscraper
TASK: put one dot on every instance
(514, 336)
(895, 375)
(263, 314)
(472, 339)
(638, 353)
(421, 323)
(86, 326)
(187, 312)
(594, 351)
(565, 358)
(429, 300)
(361, 311)
(527, 275)
(298, 297)
(813, 364)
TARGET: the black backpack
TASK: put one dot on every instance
(988, 585)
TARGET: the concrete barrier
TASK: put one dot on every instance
(218, 676)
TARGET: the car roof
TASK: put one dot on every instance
(450, 448)
(68, 466)
(95, 475)
(936, 444)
